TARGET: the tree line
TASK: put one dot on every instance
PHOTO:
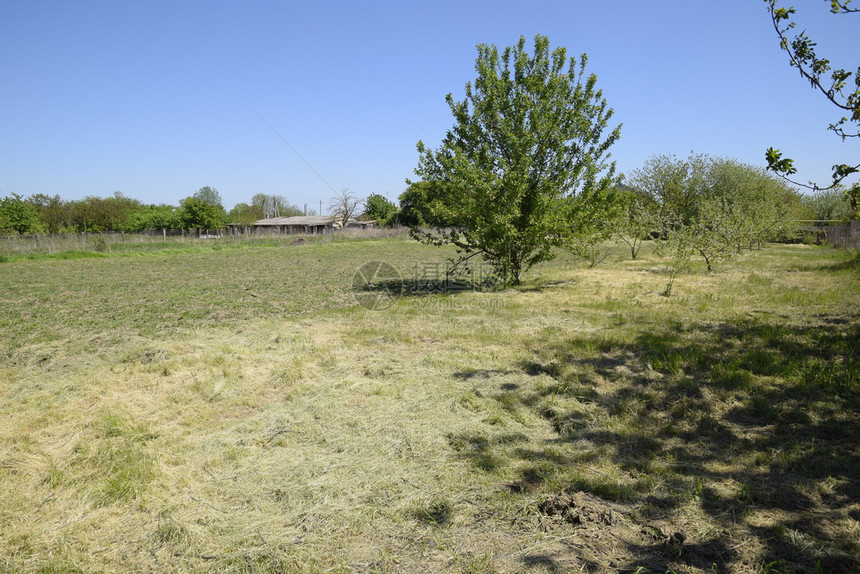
(204, 209)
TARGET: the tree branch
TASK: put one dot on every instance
(801, 53)
(838, 7)
(802, 45)
(812, 185)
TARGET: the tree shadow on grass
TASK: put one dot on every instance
(387, 279)
(752, 429)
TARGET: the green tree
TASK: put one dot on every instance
(714, 208)
(198, 213)
(209, 195)
(267, 205)
(379, 209)
(675, 186)
(18, 215)
(756, 206)
(270, 205)
(853, 197)
(526, 160)
(831, 205)
(639, 219)
(832, 83)
(245, 214)
(54, 213)
(97, 214)
(415, 205)
(204, 210)
(152, 217)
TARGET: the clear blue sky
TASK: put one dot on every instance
(157, 99)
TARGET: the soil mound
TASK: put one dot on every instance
(578, 508)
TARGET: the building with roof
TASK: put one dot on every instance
(301, 224)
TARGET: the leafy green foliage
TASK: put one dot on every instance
(830, 205)
(713, 208)
(209, 195)
(124, 214)
(415, 205)
(96, 214)
(832, 83)
(244, 213)
(54, 213)
(203, 210)
(525, 163)
(200, 214)
(639, 220)
(154, 217)
(262, 206)
(853, 197)
(18, 216)
(270, 205)
(378, 208)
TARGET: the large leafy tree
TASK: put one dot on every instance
(197, 213)
(152, 217)
(378, 208)
(209, 195)
(526, 161)
(839, 86)
(18, 215)
(54, 213)
(100, 214)
(203, 210)
(415, 203)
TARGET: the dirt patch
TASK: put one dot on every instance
(608, 537)
(298, 241)
(578, 509)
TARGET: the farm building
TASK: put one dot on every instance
(304, 224)
(361, 224)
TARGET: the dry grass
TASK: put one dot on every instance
(181, 425)
(99, 245)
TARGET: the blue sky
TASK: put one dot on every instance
(157, 99)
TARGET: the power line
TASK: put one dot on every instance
(292, 149)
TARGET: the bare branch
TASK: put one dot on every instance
(343, 206)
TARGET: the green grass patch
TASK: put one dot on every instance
(195, 408)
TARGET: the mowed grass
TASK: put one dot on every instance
(235, 410)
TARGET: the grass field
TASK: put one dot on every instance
(231, 408)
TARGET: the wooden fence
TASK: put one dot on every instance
(845, 236)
